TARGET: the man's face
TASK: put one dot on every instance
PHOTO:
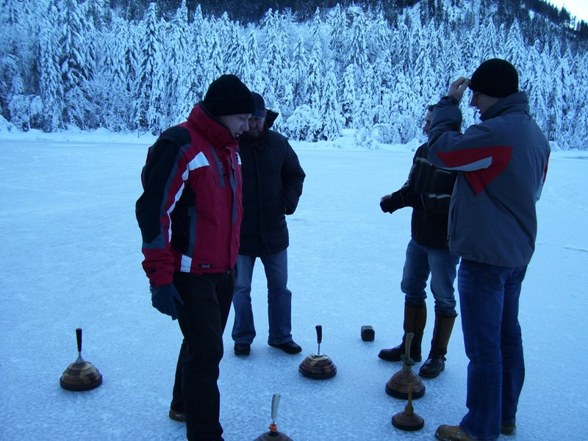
(482, 102)
(427, 125)
(256, 124)
(237, 124)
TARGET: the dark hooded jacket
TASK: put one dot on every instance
(272, 185)
(428, 191)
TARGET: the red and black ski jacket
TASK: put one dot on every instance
(191, 207)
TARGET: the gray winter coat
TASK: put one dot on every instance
(502, 163)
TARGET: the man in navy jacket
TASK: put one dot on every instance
(272, 185)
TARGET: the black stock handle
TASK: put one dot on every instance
(319, 334)
(79, 338)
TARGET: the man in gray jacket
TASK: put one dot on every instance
(492, 227)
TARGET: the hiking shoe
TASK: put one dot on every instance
(176, 415)
(508, 429)
(452, 433)
(432, 367)
(242, 349)
(396, 353)
(289, 347)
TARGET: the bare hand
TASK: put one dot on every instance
(458, 87)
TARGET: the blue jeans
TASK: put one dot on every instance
(279, 299)
(489, 300)
(441, 265)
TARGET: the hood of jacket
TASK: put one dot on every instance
(261, 140)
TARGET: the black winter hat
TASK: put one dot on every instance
(495, 77)
(227, 95)
(259, 105)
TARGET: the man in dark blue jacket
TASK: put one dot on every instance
(272, 185)
(428, 191)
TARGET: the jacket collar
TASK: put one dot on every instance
(517, 102)
(210, 128)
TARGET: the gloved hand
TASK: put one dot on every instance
(392, 202)
(413, 200)
(164, 298)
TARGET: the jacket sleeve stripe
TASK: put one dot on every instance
(198, 161)
(481, 165)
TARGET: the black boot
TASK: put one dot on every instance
(415, 318)
(435, 363)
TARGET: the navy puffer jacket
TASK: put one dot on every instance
(272, 185)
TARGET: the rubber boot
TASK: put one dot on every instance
(415, 318)
(435, 363)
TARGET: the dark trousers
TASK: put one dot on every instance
(202, 319)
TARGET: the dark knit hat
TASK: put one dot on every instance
(495, 77)
(227, 95)
(259, 105)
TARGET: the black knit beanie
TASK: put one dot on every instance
(227, 95)
(259, 105)
(495, 77)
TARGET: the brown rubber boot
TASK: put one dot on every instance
(435, 363)
(415, 318)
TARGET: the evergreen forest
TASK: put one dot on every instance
(372, 67)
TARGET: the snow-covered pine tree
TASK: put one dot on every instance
(275, 58)
(197, 64)
(51, 87)
(177, 59)
(148, 98)
(212, 51)
(248, 64)
(76, 64)
(332, 120)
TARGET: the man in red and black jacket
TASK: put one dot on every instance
(189, 215)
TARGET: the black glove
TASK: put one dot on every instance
(392, 202)
(413, 200)
(164, 299)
